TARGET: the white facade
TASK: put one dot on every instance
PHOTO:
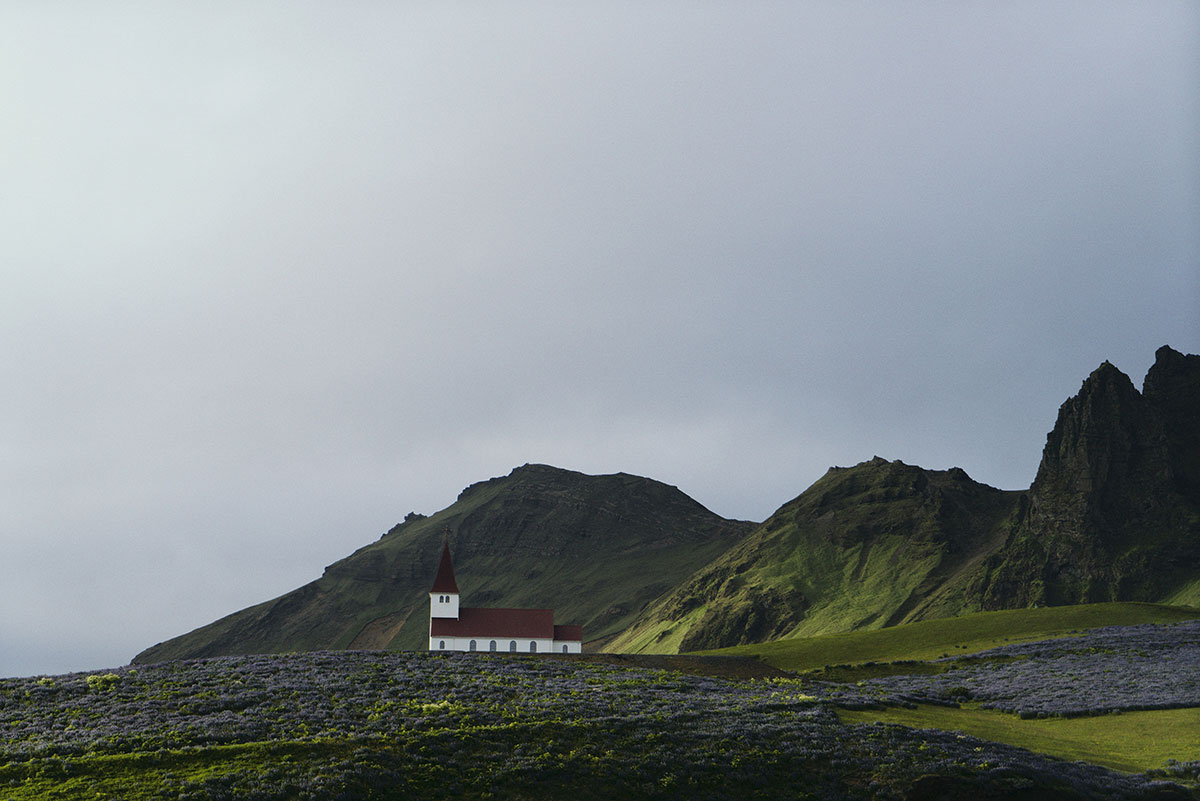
(520, 645)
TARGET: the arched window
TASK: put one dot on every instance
(442, 645)
(532, 647)
(492, 647)
(471, 646)
(564, 649)
(512, 646)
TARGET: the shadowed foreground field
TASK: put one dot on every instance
(372, 725)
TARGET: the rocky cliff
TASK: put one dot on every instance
(1114, 512)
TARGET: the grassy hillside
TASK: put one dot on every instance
(958, 636)
(865, 547)
(596, 549)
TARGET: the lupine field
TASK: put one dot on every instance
(1119, 668)
(374, 725)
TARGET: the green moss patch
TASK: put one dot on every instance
(1130, 741)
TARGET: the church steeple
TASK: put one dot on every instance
(443, 595)
(444, 580)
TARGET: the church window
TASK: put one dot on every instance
(442, 645)
(532, 647)
(472, 645)
(492, 647)
(564, 649)
(512, 646)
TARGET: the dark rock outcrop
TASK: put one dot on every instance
(1113, 513)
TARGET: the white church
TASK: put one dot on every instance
(457, 628)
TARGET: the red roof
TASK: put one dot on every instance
(524, 623)
(444, 580)
(568, 632)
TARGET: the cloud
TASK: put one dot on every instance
(277, 275)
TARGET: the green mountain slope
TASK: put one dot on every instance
(1113, 515)
(595, 548)
(874, 545)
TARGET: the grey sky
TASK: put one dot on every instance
(276, 274)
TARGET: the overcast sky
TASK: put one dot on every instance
(276, 274)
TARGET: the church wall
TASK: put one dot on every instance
(483, 644)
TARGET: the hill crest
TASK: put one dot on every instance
(596, 548)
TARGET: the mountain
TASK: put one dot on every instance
(595, 548)
(864, 547)
(1112, 515)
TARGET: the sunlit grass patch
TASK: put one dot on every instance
(957, 636)
(1129, 741)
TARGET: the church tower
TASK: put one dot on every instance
(443, 596)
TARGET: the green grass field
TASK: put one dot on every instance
(1130, 741)
(956, 636)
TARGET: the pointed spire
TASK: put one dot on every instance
(444, 581)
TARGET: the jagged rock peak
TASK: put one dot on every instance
(1172, 373)
(1112, 513)
(1172, 388)
(1094, 422)
(1114, 452)
(1110, 427)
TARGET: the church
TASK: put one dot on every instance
(457, 628)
